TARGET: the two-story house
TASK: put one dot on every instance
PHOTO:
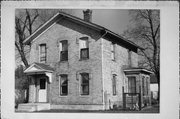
(76, 64)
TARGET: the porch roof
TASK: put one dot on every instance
(137, 70)
(38, 68)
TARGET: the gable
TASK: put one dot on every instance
(103, 31)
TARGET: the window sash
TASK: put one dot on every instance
(132, 84)
(143, 85)
(84, 53)
(42, 55)
(114, 84)
(63, 85)
(63, 55)
(63, 50)
(84, 84)
(83, 43)
(146, 86)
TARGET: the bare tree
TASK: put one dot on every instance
(145, 31)
(24, 24)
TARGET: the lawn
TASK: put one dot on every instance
(150, 109)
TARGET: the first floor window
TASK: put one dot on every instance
(147, 86)
(143, 85)
(84, 84)
(131, 84)
(114, 84)
(63, 84)
(42, 53)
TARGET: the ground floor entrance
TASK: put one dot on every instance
(42, 91)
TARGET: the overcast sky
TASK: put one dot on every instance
(112, 19)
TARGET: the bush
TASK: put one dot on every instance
(20, 97)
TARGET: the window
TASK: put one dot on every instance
(63, 50)
(84, 48)
(42, 54)
(131, 84)
(143, 85)
(114, 84)
(147, 86)
(84, 84)
(42, 84)
(112, 51)
(64, 84)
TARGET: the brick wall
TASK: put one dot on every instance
(111, 67)
(66, 30)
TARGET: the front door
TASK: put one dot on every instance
(42, 90)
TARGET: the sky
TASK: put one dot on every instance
(113, 19)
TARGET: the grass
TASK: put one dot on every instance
(150, 109)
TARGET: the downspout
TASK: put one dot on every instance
(102, 67)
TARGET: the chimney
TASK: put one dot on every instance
(87, 15)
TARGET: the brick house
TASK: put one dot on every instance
(76, 64)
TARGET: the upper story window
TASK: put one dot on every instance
(84, 48)
(114, 84)
(63, 50)
(64, 84)
(132, 84)
(84, 83)
(112, 51)
(42, 53)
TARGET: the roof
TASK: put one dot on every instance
(38, 67)
(137, 70)
(60, 15)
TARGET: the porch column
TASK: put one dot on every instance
(32, 90)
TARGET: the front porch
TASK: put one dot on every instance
(40, 78)
(138, 94)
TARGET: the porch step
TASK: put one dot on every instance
(30, 107)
